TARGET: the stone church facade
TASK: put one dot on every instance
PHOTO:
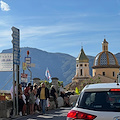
(105, 64)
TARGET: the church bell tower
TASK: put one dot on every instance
(82, 67)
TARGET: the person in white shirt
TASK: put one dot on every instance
(11, 91)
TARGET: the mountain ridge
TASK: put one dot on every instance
(60, 65)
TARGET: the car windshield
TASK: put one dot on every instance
(100, 101)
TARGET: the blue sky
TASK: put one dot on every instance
(62, 25)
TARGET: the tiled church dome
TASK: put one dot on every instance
(105, 58)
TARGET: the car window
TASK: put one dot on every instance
(100, 101)
(79, 99)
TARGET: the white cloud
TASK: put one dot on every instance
(4, 6)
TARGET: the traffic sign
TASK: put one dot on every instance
(15, 29)
(32, 65)
(28, 61)
(24, 66)
(28, 52)
(16, 45)
(24, 77)
(6, 62)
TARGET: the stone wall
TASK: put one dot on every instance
(72, 101)
(5, 108)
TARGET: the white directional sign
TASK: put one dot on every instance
(32, 65)
(6, 62)
(24, 77)
(28, 60)
(16, 45)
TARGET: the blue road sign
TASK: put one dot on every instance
(16, 45)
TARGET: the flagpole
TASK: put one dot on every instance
(47, 75)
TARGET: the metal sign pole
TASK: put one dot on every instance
(13, 88)
(28, 68)
(17, 89)
(30, 75)
(16, 63)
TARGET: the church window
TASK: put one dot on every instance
(95, 73)
(77, 65)
(81, 72)
(80, 64)
(103, 73)
(85, 65)
(104, 47)
(113, 74)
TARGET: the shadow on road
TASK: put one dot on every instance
(57, 114)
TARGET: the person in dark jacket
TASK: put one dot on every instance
(54, 95)
(27, 95)
(43, 94)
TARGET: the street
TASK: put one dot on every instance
(57, 114)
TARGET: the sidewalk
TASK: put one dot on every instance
(55, 114)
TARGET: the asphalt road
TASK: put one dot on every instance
(57, 114)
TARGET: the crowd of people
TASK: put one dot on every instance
(34, 98)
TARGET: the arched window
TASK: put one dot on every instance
(81, 65)
(103, 73)
(113, 74)
(81, 72)
(104, 48)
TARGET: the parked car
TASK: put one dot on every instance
(97, 102)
